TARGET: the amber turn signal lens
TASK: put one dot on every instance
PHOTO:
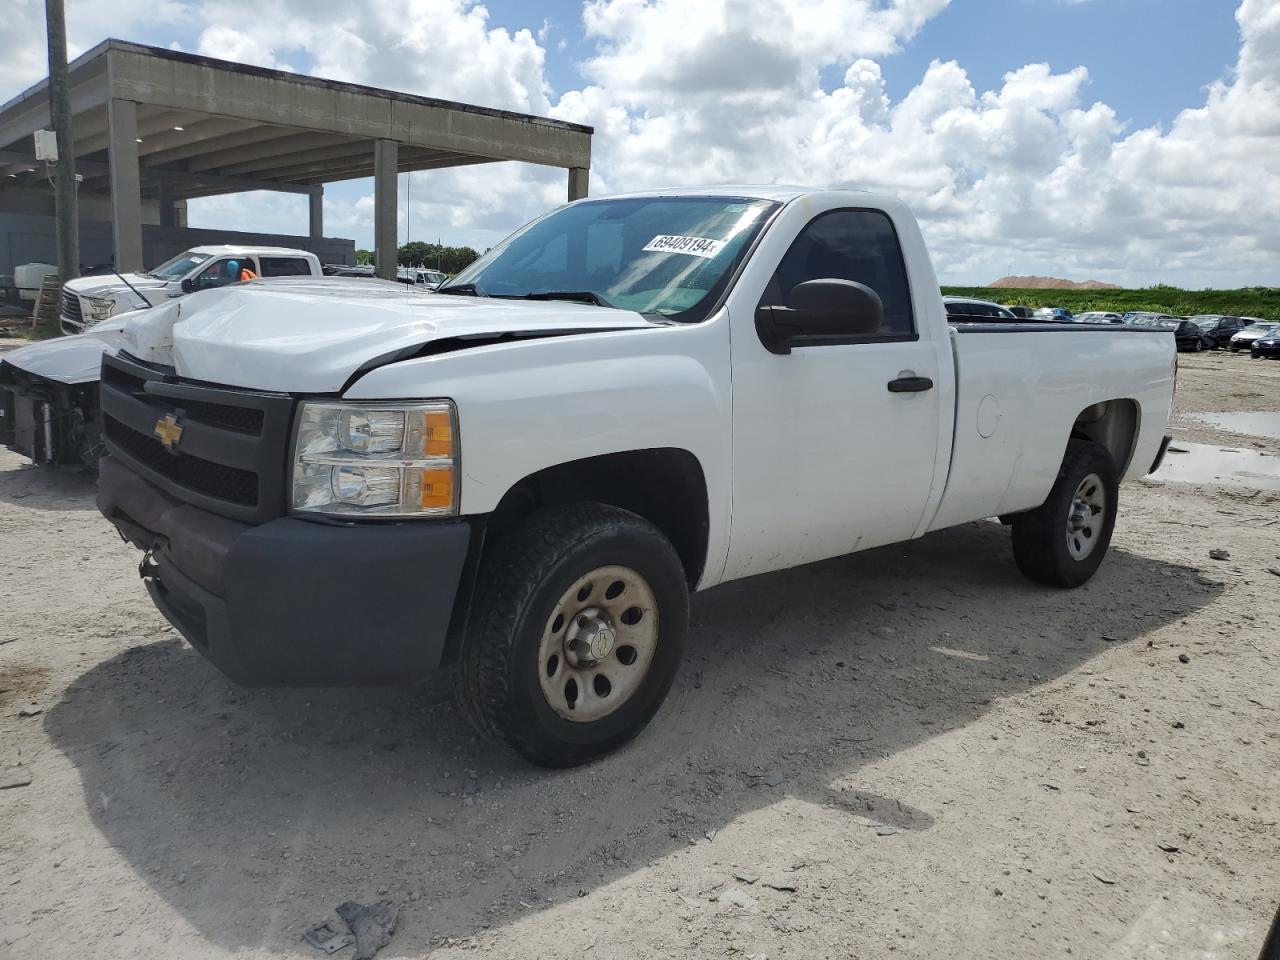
(436, 489)
(437, 440)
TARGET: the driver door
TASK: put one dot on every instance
(834, 443)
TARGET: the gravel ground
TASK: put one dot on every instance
(910, 750)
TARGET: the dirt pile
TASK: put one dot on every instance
(1051, 283)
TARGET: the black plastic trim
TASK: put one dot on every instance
(1164, 448)
(910, 385)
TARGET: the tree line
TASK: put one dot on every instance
(450, 260)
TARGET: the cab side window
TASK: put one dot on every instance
(858, 245)
(284, 267)
(218, 274)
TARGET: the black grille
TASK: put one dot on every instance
(239, 419)
(228, 447)
(193, 473)
(71, 306)
(123, 379)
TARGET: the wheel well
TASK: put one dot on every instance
(664, 485)
(1112, 423)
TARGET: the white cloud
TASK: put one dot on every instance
(89, 22)
(1033, 172)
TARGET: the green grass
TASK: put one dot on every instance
(1248, 302)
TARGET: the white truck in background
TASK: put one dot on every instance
(49, 390)
(523, 476)
(87, 301)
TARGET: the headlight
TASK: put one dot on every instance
(376, 459)
(99, 309)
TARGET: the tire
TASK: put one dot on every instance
(515, 677)
(1197, 346)
(1043, 545)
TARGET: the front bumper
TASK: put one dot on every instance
(294, 602)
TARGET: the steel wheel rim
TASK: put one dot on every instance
(598, 644)
(1086, 516)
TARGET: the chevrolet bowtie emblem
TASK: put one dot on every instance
(169, 431)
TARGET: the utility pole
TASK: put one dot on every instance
(64, 198)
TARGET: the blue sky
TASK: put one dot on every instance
(1149, 59)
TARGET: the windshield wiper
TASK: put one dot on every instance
(584, 296)
(463, 289)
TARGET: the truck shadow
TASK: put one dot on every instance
(254, 812)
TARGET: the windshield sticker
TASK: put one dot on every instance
(693, 246)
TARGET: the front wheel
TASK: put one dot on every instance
(1062, 542)
(1197, 346)
(577, 634)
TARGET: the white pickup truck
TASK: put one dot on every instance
(524, 476)
(87, 301)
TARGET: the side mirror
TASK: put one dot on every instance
(820, 308)
(188, 285)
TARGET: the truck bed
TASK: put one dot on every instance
(1025, 384)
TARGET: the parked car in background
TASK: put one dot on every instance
(1145, 318)
(1255, 331)
(431, 278)
(1268, 346)
(420, 277)
(87, 301)
(1019, 311)
(960, 308)
(1054, 315)
(1187, 335)
(1098, 316)
(1217, 328)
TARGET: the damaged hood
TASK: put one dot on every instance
(312, 335)
(69, 360)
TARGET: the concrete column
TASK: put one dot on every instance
(180, 213)
(386, 175)
(317, 212)
(126, 191)
(168, 208)
(577, 183)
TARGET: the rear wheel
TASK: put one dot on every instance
(578, 632)
(1063, 542)
(1197, 346)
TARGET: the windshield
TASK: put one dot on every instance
(658, 255)
(179, 266)
(1206, 322)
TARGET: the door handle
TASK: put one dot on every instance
(910, 385)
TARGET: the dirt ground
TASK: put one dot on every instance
(911, 751)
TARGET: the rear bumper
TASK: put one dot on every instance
(294, 602)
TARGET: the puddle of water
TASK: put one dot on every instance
(1250, 424)
(1206, 463)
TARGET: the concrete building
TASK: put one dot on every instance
(154, 128)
